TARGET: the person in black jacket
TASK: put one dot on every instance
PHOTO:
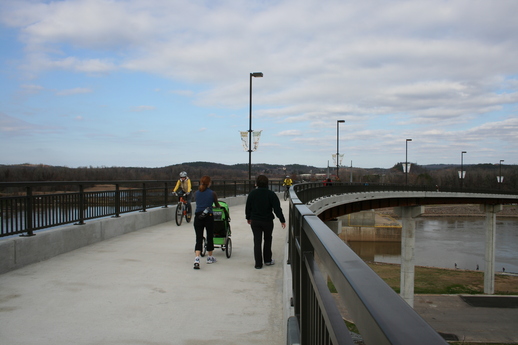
(260, 206)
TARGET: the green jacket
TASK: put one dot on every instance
(261, 204)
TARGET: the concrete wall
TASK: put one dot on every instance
(373, 234)
(364, 218)
(17, 252)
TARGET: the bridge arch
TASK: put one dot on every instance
(336, 205)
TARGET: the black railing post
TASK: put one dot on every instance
(165, 195)
(81, 211)
(28, 213)
(144, 201)
(117, 201)
(305, 298)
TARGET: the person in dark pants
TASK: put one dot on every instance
(261, 204)
(204, 220)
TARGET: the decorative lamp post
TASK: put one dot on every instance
(406, 161)
(461, 174)
(255, 75)
(337, 148)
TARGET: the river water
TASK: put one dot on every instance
(444, 242)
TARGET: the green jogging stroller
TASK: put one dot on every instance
(221, 229)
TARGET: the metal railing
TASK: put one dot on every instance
(380, 314)
(311, 191)
(29, 206)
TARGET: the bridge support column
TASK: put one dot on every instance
(335, 225)
(489, 272)
(407, 215)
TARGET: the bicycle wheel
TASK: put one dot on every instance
(286, 193)
(179, 214)
(188, 215)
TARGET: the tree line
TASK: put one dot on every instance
(481, 176)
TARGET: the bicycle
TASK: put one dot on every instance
(287, 193)
(183, 210)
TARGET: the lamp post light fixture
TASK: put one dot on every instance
(500, 178)
(254, 75)
(337, 148)
(406, 161)
(462, 169)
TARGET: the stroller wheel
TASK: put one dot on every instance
(228, 246)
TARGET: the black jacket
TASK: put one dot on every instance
(260, 204)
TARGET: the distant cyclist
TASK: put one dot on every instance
(184, 185)
(287, 182)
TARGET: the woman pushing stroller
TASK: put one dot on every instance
(204, 220)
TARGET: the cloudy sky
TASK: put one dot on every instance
(157, 82)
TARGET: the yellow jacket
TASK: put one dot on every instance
(287, 182)
(185, 185)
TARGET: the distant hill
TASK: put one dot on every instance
(444, 175)
(195, 170)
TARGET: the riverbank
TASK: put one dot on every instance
(433, 280)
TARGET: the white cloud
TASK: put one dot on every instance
(143, 108)
(74, 91)
(290, 133)
(13, 126)
(32, 88)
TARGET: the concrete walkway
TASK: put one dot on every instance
(141, 288)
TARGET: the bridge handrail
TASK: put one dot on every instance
(29, 206)
(380, 314)
(307, 192)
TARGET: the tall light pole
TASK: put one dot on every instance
(338, 122)
(406, 160)
(462, 168)
(255, 75)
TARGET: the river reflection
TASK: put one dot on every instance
(444, 242)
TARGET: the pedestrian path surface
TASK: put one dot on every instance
(141, 288)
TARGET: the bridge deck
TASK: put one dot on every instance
(141, 288)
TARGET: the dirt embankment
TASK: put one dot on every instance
(467, 210)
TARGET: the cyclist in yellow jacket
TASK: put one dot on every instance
(183, 185)
(287, 182)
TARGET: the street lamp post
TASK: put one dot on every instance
(406, 160)
(337, 148)
(462, 169)
(255, 75)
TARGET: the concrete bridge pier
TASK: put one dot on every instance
(407, 214)
(489, 272)
(335, 225)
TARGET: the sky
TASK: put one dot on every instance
(150, 83)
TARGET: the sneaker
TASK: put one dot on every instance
(197, 263)
(258, 267)
(270, 263)
(211, 260)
